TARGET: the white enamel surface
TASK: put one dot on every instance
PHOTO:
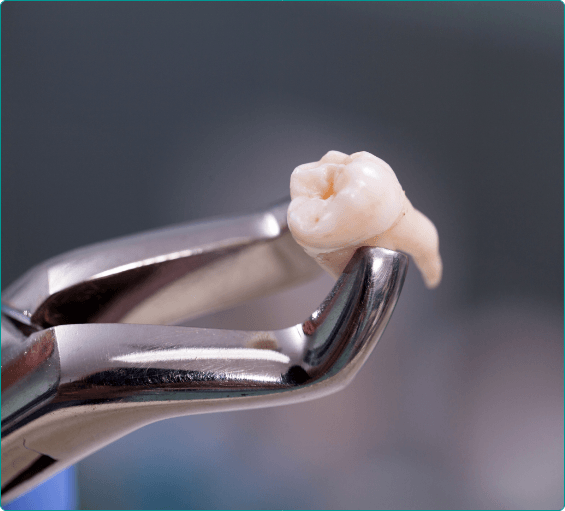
(339, 191)
(343, 202)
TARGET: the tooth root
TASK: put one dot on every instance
(411, 232)
(416, 235)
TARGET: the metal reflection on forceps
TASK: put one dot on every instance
(92, 348)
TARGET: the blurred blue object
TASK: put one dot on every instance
(59, 492)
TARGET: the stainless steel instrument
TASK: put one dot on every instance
(87, 358)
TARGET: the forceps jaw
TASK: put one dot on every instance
(82, 386)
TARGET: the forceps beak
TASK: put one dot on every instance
(72, 388)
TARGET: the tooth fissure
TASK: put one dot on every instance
(330, 190)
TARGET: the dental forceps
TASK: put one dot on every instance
(93, 347)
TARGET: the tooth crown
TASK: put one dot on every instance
(342, 200)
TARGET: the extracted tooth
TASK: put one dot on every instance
(345, 202)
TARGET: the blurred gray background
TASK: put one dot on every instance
(122, 117)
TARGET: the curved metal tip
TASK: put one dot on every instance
(345, 329)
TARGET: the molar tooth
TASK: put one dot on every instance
(344, 202)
